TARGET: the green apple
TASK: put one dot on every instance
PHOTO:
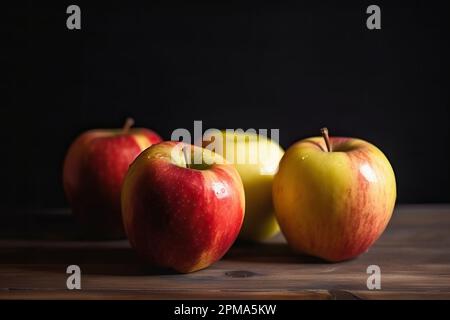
(256, 158)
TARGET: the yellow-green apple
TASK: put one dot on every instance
(93, 173)
(333, 196)
(180, 215)
(256, 158)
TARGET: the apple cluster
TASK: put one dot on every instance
(331, 197)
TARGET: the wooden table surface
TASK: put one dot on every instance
(413, 254)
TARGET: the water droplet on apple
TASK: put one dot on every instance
(219, 190)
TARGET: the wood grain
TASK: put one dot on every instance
(413, 254)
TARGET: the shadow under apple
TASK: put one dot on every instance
(274, 251)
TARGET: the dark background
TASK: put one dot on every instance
(294, 66)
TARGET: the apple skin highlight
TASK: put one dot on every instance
(333, 205)
(93, 173)
(177, 217)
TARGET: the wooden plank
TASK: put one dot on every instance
(413, 255)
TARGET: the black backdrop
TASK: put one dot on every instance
(294, 66)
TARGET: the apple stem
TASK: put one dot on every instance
(129, 122)
(186, 157)
(326, 137)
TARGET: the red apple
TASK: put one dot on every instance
(94, 169)
(180, 216)
(334, 196)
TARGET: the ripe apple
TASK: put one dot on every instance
(179, 215)
(333, 196)
(257, 171)
(94, 169)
